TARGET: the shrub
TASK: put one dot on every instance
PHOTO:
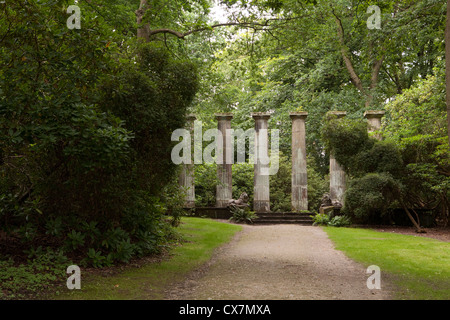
(43, 268)
(242, 215)
(280, 186)
(320, 219)
(340, 221)
(371, 195)
(243, 180)
(205, 185)
(85, 142)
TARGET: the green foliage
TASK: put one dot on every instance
(44, 268)
(205, 185)
(384, 156)
(417, 123)
(373, 194)
(96, 259)
(85, 123)
(323, 219)
(243, 174)
(242, 215)
(406, 170)
(340, 221)
(346, 138)
(74, 240)
(318, 185)
(320, 219)
(280, 186)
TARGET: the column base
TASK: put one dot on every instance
(222, 203)
(261, 206)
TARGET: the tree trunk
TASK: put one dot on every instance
(356, 80)
(415, 223)
(447, 67)
(143, 31)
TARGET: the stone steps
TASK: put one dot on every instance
(284, 218)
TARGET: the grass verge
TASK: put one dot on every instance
(418, 266)
(149, 281)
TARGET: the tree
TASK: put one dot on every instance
(85, 126)
(447, 67)
(411, 168)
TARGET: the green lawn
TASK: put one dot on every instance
(419, 266)
(149, 281)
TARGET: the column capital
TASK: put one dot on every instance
(224, 116)
(369, 114)
(261, 115)
(298, 115)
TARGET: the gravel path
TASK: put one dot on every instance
(279, 262)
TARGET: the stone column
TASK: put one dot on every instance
(186, 177)
(224, 169)
(374, 121)
(337, 174)
(261, 196)
(299, 198)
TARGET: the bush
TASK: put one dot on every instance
(346, 138)
(408, 173)
(242, 215)
(43, 268)
(85, 137)
(243, 180)
(340, 221)
(320, 219)
(318, 185)
(281, 186)
(371, 195)
(323, 219)
(205, 185)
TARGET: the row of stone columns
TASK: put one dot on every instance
(261, 197)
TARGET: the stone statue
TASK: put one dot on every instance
(328, 205)
(241, 202)
(336, 203)
(326, 200)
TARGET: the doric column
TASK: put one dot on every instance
(374, 121)
(224, 167)
(299, 197)
(186, 177)
(337, 174)
(261, 196)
